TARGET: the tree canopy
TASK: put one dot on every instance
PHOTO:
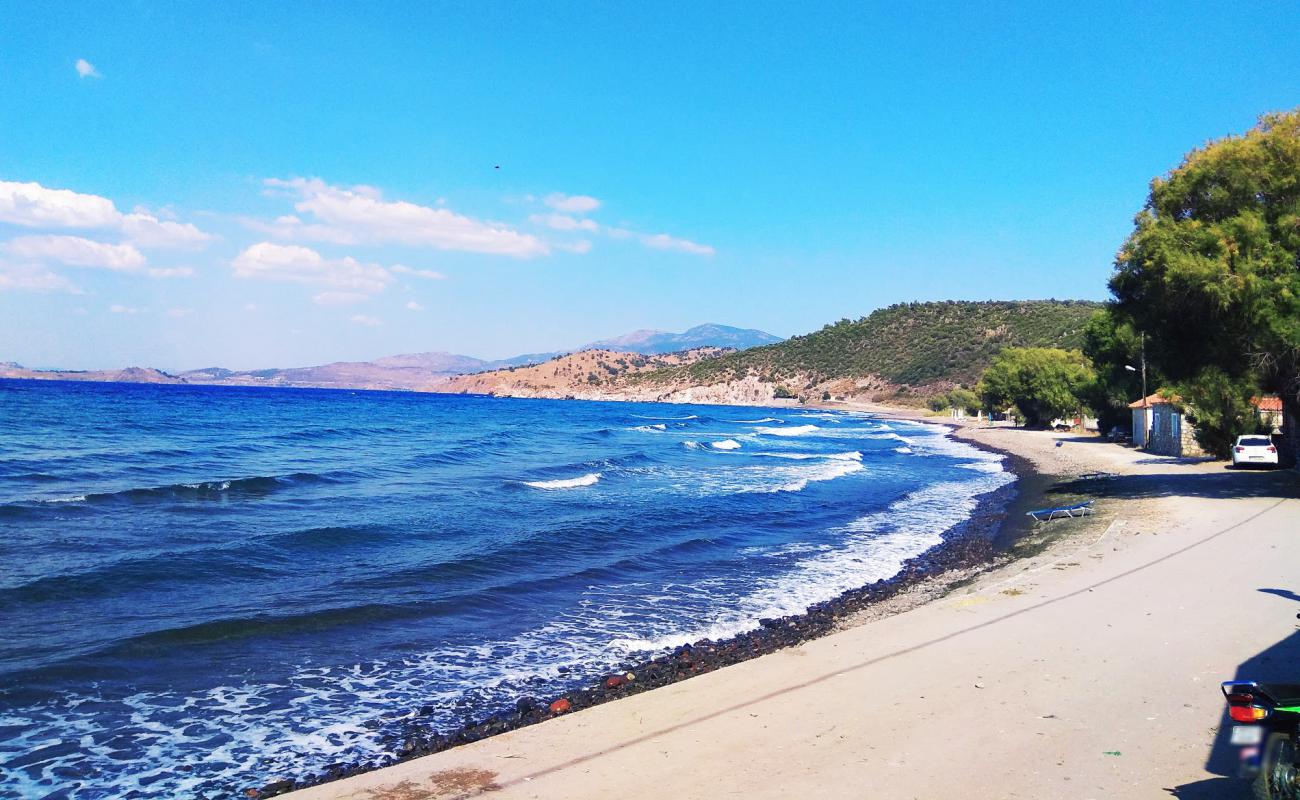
(1041, 382)
(1211, 271)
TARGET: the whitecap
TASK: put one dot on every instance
(827, 472)
(797, 430)
(726, 444)
(569, 483)
(852, 455)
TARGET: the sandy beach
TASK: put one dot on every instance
(1085, 664)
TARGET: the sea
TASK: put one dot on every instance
(204, 589)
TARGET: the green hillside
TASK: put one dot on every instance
(910, 344)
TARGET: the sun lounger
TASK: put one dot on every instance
(1064, 512)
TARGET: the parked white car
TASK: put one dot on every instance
(1254, 450)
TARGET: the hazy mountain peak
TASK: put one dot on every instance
(709, 334)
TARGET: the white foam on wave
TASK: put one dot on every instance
(726, 444)
(907, 451)
(670, 419)
(852, 455)
(651, 428)
(794, 430)
(832, 417)
(321, 722)
(208, 486)
(824, 472)
(874, 547)
(589, 479)
(755, 421)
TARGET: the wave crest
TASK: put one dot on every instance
(589, 479)
(794, 430)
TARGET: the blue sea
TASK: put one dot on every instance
(208, 588)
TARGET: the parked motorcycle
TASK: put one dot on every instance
(1267, 729)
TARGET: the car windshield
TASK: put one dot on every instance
(1253, 441)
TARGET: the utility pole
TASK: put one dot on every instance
(1144, 369)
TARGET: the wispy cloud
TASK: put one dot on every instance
(179, 312)
(563, 222)
(581, 246)
(120, 309)
(414, 306)
(571, 203)
(294, 263)
(33, 278)
(427, 274)
(86, 69)
(361, 215)
(171, 272)
(362, 319)
(339, 298)
(75, 251)
(568, 214)
(662, 241)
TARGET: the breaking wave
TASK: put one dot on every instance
(589, 479)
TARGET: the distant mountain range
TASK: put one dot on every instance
(648, 342)
(407, 371)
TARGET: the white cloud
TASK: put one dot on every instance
(118, 309)
(76, 251)
(250, 307)
(419, 273)
(179, 312)
(572, 203)
(86, 69)
(338, 298)
(303, 265)
(362, 319)
(662, 241)
(171, 272)
(33, 278)
(414, 306)
(581, 246)
(147, 230)
(562, 222)
(32, 205)
(360, 215)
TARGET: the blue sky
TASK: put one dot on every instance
(248, 185)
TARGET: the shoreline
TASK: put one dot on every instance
(976, 544)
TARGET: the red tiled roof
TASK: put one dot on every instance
(1153, 400)
(1267, 403)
